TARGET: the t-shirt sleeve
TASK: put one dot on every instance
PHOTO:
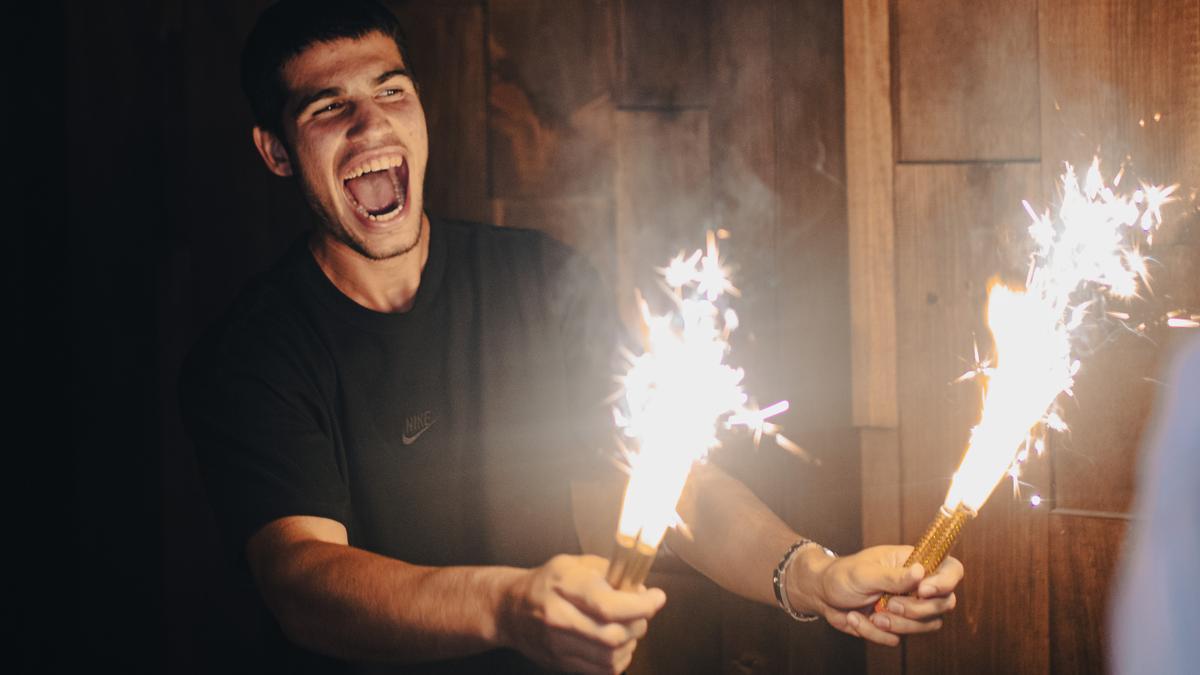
(262, 440)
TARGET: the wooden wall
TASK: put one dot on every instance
(956, 111)
(623, 127)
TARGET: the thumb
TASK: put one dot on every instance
(898, 580)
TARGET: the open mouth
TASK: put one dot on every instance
(378, 189)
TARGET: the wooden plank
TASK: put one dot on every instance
(815, 267)
(1122, 78)
(550, 108)
(879, 450)
(966, 80)
(664, 54)
(1083, 565)
(446, 42)
(587, 224)
(869, 166)
(956, 227)
(664, 200)
(742, 148)
(1108, 68)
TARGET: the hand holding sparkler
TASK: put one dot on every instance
(843, 590)
(564, 616)
(676, 396)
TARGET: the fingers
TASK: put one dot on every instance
(943, 580)
(854, 623)
(584, 586)
(922, 608)
(902, 625)
(567, 618)
(583, 656)
(586, 625)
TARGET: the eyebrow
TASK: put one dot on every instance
(394, 72)
(331, 92)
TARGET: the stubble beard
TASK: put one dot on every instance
(330, 226)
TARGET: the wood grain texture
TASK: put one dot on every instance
(1084, 555)
(869, 179)
(879, 450)
(956, 227)
(967, 80)
(446, 44)
(1121, 79)
(815, 268)
(586, 224)
(664, 198)
(742, 151)
(742, 142)
(550, 110)
(664, 53)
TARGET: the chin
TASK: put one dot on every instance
(381, 246)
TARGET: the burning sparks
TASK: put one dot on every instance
(1087, 250)
(680, 391)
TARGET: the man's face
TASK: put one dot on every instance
(356, 136)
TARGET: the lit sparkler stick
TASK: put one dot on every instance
(676, 396)
(1084, 254)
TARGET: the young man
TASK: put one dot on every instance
(394, 421)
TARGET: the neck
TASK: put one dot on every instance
(387, 286)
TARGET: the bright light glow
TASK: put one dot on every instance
(1088, 247)
(680, 391)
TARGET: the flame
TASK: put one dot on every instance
(1088, 247)
(679, 391)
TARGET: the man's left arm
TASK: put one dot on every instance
(735, 540)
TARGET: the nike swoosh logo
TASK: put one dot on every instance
(409, 440)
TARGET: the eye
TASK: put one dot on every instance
(391, 92)
(330, 108)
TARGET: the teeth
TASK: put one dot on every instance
(377, 164)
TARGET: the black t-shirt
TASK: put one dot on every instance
(445, 435)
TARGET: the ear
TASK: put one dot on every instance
(273, 152)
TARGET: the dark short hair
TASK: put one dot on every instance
(289, 27)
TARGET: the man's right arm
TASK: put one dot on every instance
(347, 602)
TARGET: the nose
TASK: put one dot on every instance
(369, 120)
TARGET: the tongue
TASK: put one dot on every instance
(375, 191)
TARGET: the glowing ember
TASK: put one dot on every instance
(678, 393)
(1085, 252)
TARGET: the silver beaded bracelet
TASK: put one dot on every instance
(779, 578)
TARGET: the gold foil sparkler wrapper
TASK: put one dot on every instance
(630, 563)
(932, 547)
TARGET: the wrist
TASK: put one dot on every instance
(804, 579)
(505, 604)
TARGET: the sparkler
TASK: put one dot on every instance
(676, 396)
(1087, 253)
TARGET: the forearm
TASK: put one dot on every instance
(353, 604)
(733, 538)
(737, 541)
